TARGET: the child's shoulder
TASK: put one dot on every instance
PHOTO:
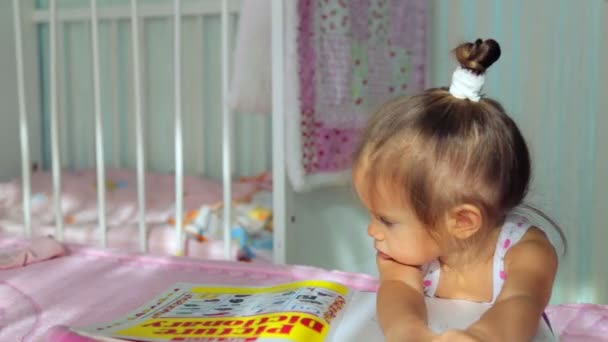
(531, 267)
(533, 248)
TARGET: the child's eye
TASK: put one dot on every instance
(385, 221)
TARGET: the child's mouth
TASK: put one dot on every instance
(383, 255)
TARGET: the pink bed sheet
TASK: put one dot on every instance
(161, 240)
(79, 197)
(91, 285)
(79, 205)
(579, 322)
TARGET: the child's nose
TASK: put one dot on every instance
(374, 232)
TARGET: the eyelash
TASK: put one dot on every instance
(384, 221)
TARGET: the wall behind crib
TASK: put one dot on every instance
(10, 155)
(201, 88)
(553, 79)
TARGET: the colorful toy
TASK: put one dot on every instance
(113, 185)
(39, 199)
(251, 222)
(121, 184)
(263, 241)
(240, 235)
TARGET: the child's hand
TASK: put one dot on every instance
(457, 336)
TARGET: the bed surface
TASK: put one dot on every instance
(79, 197)
(79, 206)
(81, 288)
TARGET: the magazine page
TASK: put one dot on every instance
(299, 311)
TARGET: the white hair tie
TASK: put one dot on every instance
(466, 84)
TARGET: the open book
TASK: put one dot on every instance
(311, 311)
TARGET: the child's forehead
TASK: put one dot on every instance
(378, 193)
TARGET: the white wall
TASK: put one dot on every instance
(330, 231)
(10, 155)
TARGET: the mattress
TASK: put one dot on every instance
(79, 209)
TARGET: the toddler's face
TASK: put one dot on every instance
(397, 232)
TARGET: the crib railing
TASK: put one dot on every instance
(134, 13)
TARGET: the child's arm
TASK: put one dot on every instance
(400, 303)
(530, 266)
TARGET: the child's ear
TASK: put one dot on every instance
(464, 221)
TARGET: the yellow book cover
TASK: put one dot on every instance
(299, 311)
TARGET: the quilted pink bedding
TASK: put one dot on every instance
(579, 322)
(81, 288)
(79, 200)
(79, 206)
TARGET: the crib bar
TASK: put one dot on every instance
(23, 131)
(101, 177)
(226, 135)
(139, 129)
(56, 163)
(64, 99)
(117, 12)
(278, 133)
(179, 159)
(199, 115)
(116, 141)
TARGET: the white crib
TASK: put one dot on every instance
(26, 17)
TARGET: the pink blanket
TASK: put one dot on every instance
(579, 322)
(90, 286)
(79, 198)
(79, 206)
(29, 252)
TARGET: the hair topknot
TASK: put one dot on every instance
(478, 56)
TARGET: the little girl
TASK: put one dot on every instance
(440, 173)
